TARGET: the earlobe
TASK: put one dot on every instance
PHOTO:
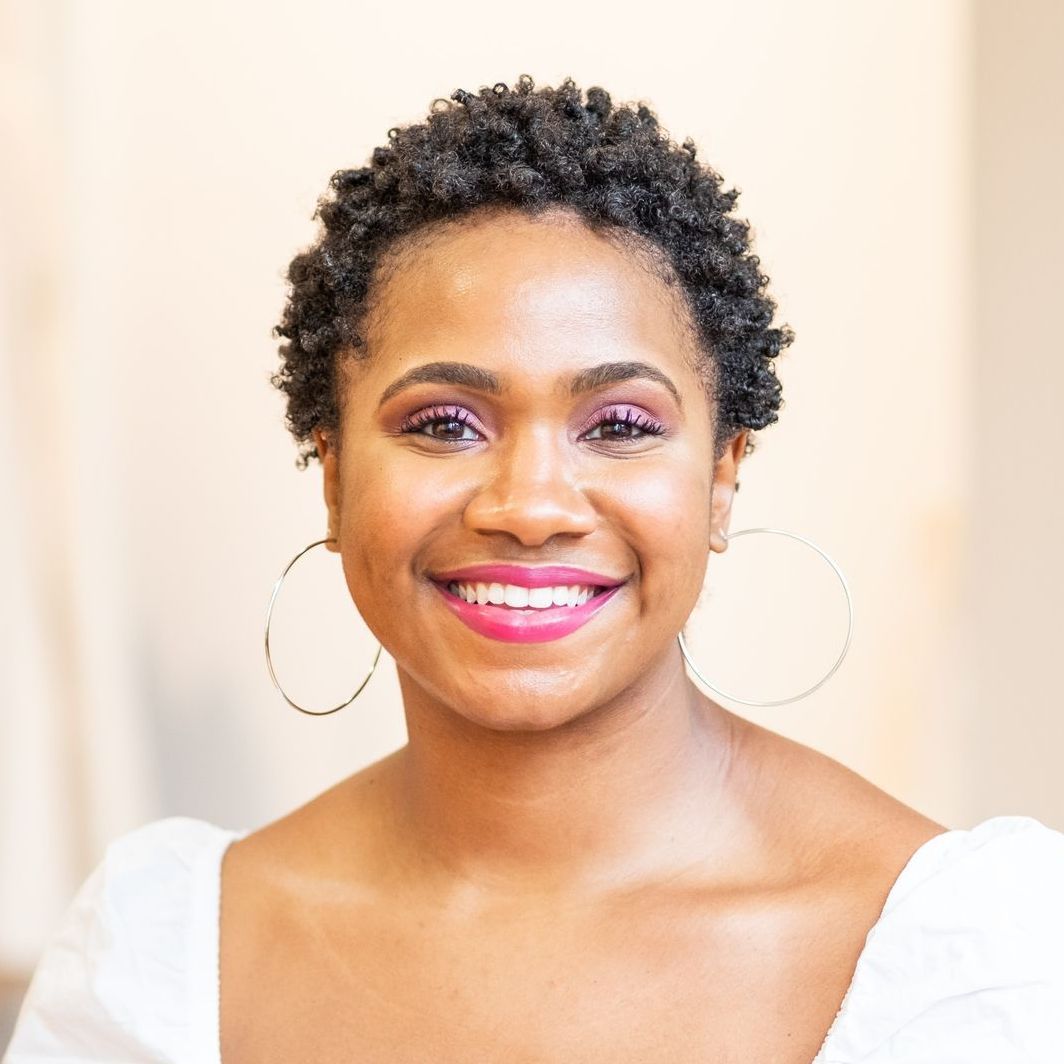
(330, 486)
(321, 443)
(721, 517)
(725, 485)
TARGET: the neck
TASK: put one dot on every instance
(629, 792)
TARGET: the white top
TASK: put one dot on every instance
(965, 964)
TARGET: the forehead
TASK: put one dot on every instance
(532, 297)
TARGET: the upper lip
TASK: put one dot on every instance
(523, 576)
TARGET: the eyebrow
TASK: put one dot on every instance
(483, 380)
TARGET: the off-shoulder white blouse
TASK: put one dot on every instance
(965, 964)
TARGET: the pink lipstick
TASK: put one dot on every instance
(525, 624)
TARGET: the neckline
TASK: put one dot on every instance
(212, 1034)
(844, 1011)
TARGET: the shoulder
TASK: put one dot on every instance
(831, 822)
(967, 958)
(339, 834)
(115, 981)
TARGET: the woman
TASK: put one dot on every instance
(528, 349)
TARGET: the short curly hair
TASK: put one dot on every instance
(533, 149)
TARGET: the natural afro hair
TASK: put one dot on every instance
(533, 149)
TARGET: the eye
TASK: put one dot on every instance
(451, 422)
(624, 425)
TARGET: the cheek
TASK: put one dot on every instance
(390, 510)
(665, 515)
(677, 493)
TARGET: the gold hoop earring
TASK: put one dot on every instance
(838, 661)
(269, 660)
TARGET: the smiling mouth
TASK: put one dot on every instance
(522, 614)
(522, 599)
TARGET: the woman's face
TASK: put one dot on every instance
(530, 399)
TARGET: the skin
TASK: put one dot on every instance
(577, 856)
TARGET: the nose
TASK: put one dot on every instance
(530, 490)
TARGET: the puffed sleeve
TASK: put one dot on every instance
(122, 980)
(966, 965)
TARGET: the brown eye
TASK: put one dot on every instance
(440, 423)
(624, 426)
(613, 427)
(449, 428)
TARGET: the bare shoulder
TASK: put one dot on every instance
(837, 817)
(302, 850)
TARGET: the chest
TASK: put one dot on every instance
(643, 984)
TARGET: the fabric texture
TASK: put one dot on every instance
(965, 964)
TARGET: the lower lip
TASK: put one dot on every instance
(512, 625)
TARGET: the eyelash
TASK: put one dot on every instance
(430, 415)
(646, 424)
(612, 416)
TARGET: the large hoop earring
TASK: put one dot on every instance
(269, 660)
(838, 660)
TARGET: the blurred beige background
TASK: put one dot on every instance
(161, 164)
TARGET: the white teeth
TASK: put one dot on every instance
(541, 597)
(516, 595)
(519, 597)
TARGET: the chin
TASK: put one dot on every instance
(528, 714)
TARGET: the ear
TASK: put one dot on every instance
(331, 484)
(725, 484)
